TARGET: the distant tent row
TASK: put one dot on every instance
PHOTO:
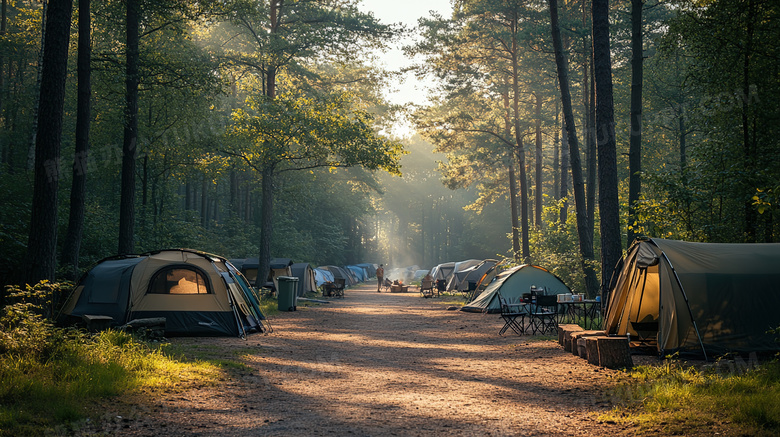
(697, 298)
(198, 294)
(512, 283)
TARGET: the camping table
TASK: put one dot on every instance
(587, 310)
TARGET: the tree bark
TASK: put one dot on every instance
(516, 250)
(611, 247)
(130, 141)
(42, 241)
(520, 147)
(539, 157)
(36, 113)
(72, 244)
(635, 141)
(586, 241)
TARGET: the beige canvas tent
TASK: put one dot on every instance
(197, 293)
(705, 299)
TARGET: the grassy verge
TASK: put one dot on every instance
(738, 396)
(51, 376)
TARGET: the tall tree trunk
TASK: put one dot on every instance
(266, 211)
(36, 108)
(592, 155)
(556, 154)
(611, 247)
(130, 140)
(565, 167)
(751, 217)
(516, 250)
(539, 157)
(586, 242)
(72, 244)
(635, 141)
(3, 21)
(520, 147)
(42, 241)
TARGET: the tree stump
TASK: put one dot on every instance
(592, 350)
(575, 336)
(612, 352)
(563, 335)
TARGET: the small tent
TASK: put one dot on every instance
(360, 273)
(322, 276)
(305, 275)
(512, 283)
(442, 271)
(198, 294)
(705, 299)
(340, 273)
(472, 274)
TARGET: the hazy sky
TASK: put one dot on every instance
(406, 12)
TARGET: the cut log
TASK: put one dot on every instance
(592, 350)
(563, 334)
(96, 322)
(576, 335)
(612, 352)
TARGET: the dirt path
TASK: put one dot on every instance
(384, 364)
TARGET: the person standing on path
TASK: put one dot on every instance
(380, 277)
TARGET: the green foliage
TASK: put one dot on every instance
(52, 376)
(682, 397)
(555, 247)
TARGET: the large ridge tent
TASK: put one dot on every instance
(697, 298)
(198, 294)
(305, 275)
(512, 283)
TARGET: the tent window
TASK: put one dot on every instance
(179, 280)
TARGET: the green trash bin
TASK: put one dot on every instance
(288, 293)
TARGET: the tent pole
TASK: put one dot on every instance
(687, 304)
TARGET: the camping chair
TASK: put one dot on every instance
(510, 312)
(544, 316)
(387, 284)
(338, 287)
(426, 288)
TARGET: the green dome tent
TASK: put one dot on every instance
(512, 284)
(198, 294)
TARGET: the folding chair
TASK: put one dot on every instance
(544, 318)
(511, 312)
(426, 288)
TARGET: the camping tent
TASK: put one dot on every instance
(461, 271)
(197, 293)
(472, 274)
(512, 284)
(305, 275)
(340, 273)
(322, 276)
(442, 271)
(249, 266)
(697, 298)
(360, 273)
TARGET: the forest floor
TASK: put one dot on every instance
(378, 364)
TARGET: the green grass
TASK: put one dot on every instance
(51, 377)
(36, 395)
(678, 398)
